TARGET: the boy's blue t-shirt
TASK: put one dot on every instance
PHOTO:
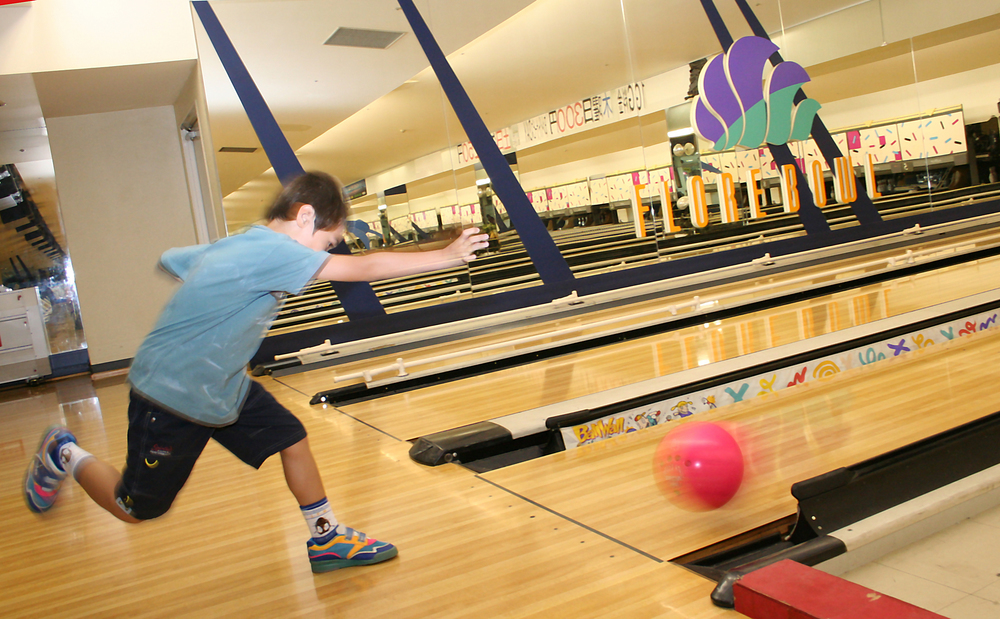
(194, 361)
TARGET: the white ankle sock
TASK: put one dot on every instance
(320, 519)
(71, 456)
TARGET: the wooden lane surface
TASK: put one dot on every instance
(623, 313)
(788, 436)
(449, 405)
(234, 543)
(506, 543)
(929, 242)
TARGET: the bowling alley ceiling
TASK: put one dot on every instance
(358, 112)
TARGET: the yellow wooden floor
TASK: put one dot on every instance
(234, 543)
(787, 436)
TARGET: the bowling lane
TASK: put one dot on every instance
(791, 435)
(449, 405)
(630, 315)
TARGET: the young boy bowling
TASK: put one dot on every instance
(189, 380)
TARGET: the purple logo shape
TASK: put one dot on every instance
(744, 101)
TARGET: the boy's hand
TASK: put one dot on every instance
(464, 248)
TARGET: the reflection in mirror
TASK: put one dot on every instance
(504, 263)
(719, 198)
(905, 103)
(404, 228)
(612, 163)
(583, 188)
(61, 309)
(389, 220)
(891, 108)
(955, 85)
(34, 258)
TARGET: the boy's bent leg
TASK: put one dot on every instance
(57, 457)
(302, 474)
(101, 480)
(162, 451)
(265, 428)
(330, 547)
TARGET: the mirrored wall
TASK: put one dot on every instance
(634, 143)
(34, 255)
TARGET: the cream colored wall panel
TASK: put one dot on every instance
(124, 201)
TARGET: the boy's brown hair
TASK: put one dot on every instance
(319, 189)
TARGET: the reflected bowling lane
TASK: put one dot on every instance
(317, 304)
(623, 317)
(786, 437)
(441, 407)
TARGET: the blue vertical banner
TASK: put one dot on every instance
(279, 153)
(357, 298)
(549, 263)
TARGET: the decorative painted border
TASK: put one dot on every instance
(762, 384)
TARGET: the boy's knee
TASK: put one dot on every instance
(302, 445)
(124, 517)
(147, 508)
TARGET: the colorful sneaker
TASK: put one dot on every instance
(45, 472)
(347, 549)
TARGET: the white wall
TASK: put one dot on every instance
(977, 91)
(57, 35)
(612, 163)
(867, 25)
(124, 200)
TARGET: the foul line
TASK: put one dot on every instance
(576, 522)
(361, 421)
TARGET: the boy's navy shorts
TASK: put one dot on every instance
(162, 447)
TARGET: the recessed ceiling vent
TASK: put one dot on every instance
(356, 37)
(238, 149)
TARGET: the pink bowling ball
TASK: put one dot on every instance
(698, 466)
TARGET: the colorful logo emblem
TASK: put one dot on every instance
(745, 101)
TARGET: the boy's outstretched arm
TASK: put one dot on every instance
(386, 265)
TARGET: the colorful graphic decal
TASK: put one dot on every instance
(738, 391)
(745, 101)
(932, 137)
